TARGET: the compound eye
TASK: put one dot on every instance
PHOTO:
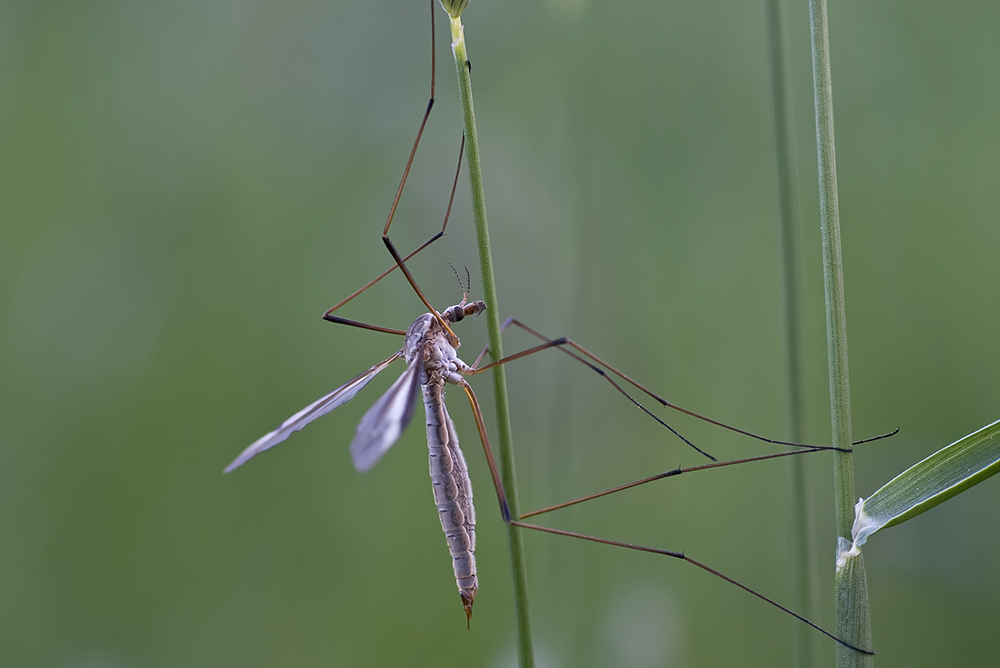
(455, 313)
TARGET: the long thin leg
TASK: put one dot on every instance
(803, 449)
(598, 365)
(399, 260)
(558, 343)
(363, 325)
(485, 439)
(505, 513)
(683, 557)
(667, 474)
(437, 235)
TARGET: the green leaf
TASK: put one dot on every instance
(944, 474)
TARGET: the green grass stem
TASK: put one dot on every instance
(853, 617)
(505, 447)
(784, 150)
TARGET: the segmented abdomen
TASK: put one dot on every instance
(452, 492)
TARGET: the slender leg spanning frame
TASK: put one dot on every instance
(603, 369)
(519, 521)
(399, 260)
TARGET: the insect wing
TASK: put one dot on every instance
(385, 421)
(315, 410)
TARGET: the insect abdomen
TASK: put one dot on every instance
(452, 492)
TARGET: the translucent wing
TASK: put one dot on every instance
(317, 409)
(385, 421)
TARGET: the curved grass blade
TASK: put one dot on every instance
(949, 471)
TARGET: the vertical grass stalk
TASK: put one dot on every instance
(784, 150)
(520, 577)
(853, 619)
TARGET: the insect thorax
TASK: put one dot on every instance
(427, 338)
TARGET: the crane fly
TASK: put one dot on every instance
(431, 362)
(430, 353)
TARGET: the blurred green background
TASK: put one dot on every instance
(186, 186)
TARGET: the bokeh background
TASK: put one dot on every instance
(186, 186)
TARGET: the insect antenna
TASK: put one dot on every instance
(465, 290)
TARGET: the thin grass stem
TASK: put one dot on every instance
(785, 163)
(520, 577)
(853, 617)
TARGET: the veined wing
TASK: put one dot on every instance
(385, 421)
(316, 409)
